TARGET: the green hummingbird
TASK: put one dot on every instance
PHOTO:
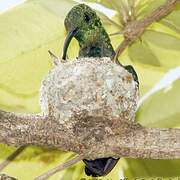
(83, 24)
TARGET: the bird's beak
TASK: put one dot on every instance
(68, 39)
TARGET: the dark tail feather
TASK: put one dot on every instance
(99, 167)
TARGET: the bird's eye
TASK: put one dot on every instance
(86, 17)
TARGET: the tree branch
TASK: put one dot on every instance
(127, 140)
(28, 129)
(121, 48)
(134, 29)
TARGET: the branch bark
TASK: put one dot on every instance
(28, 129)
(134, 29)
(130, 140)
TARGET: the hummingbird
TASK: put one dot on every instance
(85, 26)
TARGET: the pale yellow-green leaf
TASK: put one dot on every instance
(138, 51)
(161, 109)
(149, 169)
(172, 19)
(6, 151)
(165, 47)
(34, 161)
(110, 28)
(148, 77)
(162, 40)
(27, 32)
(145, 7)
(157, 26)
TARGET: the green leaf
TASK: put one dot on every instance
(27, 32)
(151, 169)
(161, 109)
(34, 161)
(159, 27)
(172, 19)
(6, 151)
(141, 53)
(162, 40)
(146, 7)
(165, 47)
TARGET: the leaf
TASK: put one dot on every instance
(6, 151)
(106, 21)
(162, 40)
(161, 109)
(146, 7)
(165, 47)
(159, 27)
(27, 32)
(151, 169)
(141, 53)
(172, 19)
(34, 161)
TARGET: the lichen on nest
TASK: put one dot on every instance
(89, 87)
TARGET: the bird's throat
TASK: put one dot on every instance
(95, 43)
(97, 48)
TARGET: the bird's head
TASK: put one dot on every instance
(82, 23)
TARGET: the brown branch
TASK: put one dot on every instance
(121, 48)
(26, 129)
(135, 29)
(60, 167)
(127, 140)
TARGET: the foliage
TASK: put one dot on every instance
(29, 30)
